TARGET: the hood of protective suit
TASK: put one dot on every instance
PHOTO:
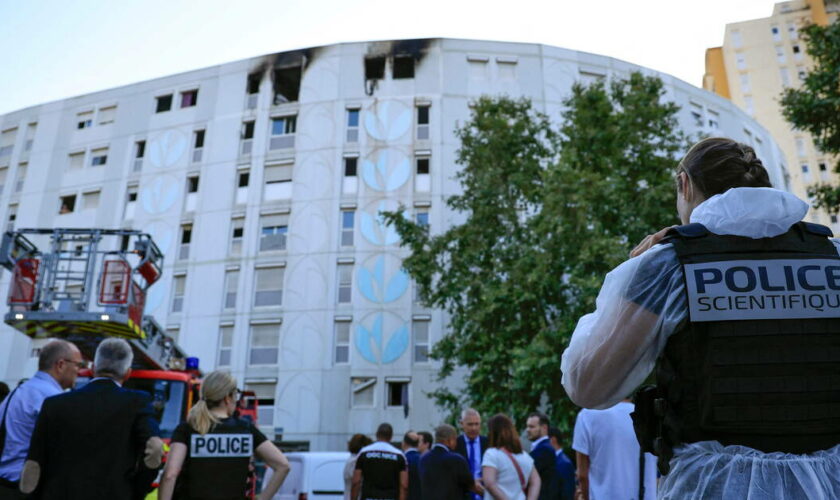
(750, 212)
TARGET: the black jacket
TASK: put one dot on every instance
(444, 475)
(461, 448)
(89, 443)
(545, 461)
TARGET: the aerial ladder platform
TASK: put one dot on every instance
(87, 285)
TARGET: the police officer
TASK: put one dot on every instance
(737, 310)
(211, 451)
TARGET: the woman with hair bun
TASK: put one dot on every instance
(211, 451)
(737, 312)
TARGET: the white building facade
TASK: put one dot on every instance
(262, 180)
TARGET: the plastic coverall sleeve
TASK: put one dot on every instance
(614, 349)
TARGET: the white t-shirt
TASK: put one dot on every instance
(506, 476)
(607, 437)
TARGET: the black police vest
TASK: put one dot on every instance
(757, 362)
(217, 465)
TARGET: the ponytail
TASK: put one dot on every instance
(215, 387)
(717, 164)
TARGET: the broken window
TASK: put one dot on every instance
(350, 165)
(189, 98)
(164, 103)
(375, 68)
(248, 130)
(286, 84)
(192, 184)
(254, 83)
(68, 204)
(403, 67)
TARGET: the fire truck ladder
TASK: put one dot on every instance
(90, 285)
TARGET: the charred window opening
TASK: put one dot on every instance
(403, 66)
(286, 84)
(375, 68)
(254, 83)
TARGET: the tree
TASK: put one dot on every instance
(815, 106)
(547, 213)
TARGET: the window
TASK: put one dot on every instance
(736, 39)
(273, 232)
(780, 54)
(777, 35)
(422, 123)
(823, 167)
(375, 68)
(697, 114)
(236, 234)
(801, 74)
(30, 136)
(164, 103)
(834, 219)
(130, 202)
(420, 334)
(247, 138)
(350, 166)
(403, 67)
(422, 181)
(362, 392)
(748, 105)
(90, 200)
(342, 342)
(84, 120)
(139, 153)
(242, 179)
(253, 85)
(797, 53)
(422, 218)
(269, 287)
(231, 283)
(189, 98)
(7, 142)
(67, 204)
(348, 222)
(350, 183)
(745, 82)
(192, 184)
(265, 340)
(4, 173)
(20, 178)
(198, 145)
(283, 132)
(792, 34)
(225, 345)
(186, 239)
(173, 332)
(800, 146)
(107, 115)
(287, 84)
(278, 182)
(397, 392)
(714, 120)
(784, 77)
(345, 283)
(179, 283)
(10, 221)
(741, 61)
(265, 402)
(352, 125)
(98, 157)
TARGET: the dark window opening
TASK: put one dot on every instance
(397, 393)
(350, 165)
(164, 103)
(99, 160)
(254, 80)
(248, 130)
(834, 219)
(403, 67)
(132, 196)
(243, 179)
(192, 184)
(199, 139)
(796, 49)
(823, 167)
(68, 204)
(124, 243)
(375, 68)
(238, 232)
(189, 98)
(422, 165)
(422, 115)
(186, 235)
(141, 149)
(286, 84)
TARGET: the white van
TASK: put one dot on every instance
(314, 475)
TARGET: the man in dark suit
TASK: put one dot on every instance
(412, 458)
(99, 442)
(444, 475)
(545, 459)
(565, 467)
(471, 445)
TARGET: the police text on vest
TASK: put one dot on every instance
(221, 445)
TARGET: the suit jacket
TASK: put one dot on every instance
(545, 461)
(89, 443)
(566, 477)
(461, 448)
(412, 458)
(444, 475)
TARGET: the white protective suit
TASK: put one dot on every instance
(614, 349)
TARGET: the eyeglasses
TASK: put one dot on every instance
(237, 394)
(81, 365)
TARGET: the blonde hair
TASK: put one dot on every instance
(214, 388)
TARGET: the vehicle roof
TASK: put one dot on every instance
(318, 456)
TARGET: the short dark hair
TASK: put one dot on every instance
(357, 442)
(384, 432)
(543, 418)
(554, 432)
(427, 437)
(716, 164)
(409, 440)
(445, 432)
(54, 351)
(502, 434)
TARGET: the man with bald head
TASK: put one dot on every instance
(58, 366)
(471, 444)
(444, 475)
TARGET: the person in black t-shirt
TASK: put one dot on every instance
(381, 472)
(211, 451)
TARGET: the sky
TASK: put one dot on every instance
(54, 49)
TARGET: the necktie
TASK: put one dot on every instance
(473, 458)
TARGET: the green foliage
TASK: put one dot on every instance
(815, 106)
(547, 212)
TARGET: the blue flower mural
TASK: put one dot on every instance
(375, 348)
(388, 172)
(374, 228)
(377, 288)
(387, 121)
